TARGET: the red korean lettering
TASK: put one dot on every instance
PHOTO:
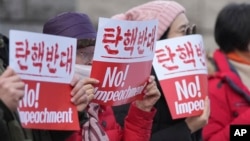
(151, 39)
(22, 53)
(129, 40)
(52, 56)
(166, 58)
(140, 49)
(186, 53)
(112, 36)
(37, 55)
(142, 40)
(66, 59)
(201, 53)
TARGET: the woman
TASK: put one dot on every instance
(12, 90)
(229, 86)
(172, 22)
(101, 124)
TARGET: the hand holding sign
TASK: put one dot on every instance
(11, 89)
(197, 122)
(83, 92)
(122, 60)
(180, 66)
(44, 62)
(151, 96)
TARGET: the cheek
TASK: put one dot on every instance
(79, 60)
(173, 35)
(173, 32)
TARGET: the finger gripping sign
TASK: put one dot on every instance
(181, 69)
(45, 63)
(122, 60)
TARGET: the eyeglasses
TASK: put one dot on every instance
(190, 29)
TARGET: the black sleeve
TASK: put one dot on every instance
(7, 114)
(3, 127)
(177, 132)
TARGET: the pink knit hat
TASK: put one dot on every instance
(164, 11)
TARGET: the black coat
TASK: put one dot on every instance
(3, 127)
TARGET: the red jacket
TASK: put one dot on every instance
(229, 99)
(137, 126)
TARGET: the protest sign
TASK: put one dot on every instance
(46, 65)
(122, 59)
(180, 66)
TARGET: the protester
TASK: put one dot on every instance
(102, 125)
(12, 90)
(229, 86)
(172, 22)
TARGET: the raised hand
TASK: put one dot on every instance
(151, 96)
(83, 92)
(11, 89)
(197, 122)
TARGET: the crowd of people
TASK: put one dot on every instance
(149, 118)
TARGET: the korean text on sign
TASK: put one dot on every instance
(46, 65)
(123, 59)
(42, 57)
(180, 66)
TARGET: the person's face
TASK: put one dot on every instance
(84, 53)
(180, 27)
(84, 56)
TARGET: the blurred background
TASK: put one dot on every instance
(29, 15)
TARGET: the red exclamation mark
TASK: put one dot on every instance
(125, 75)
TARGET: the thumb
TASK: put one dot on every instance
(74, 80)
(206, 111)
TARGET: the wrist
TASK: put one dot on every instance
(190, 126)
(142, 107)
